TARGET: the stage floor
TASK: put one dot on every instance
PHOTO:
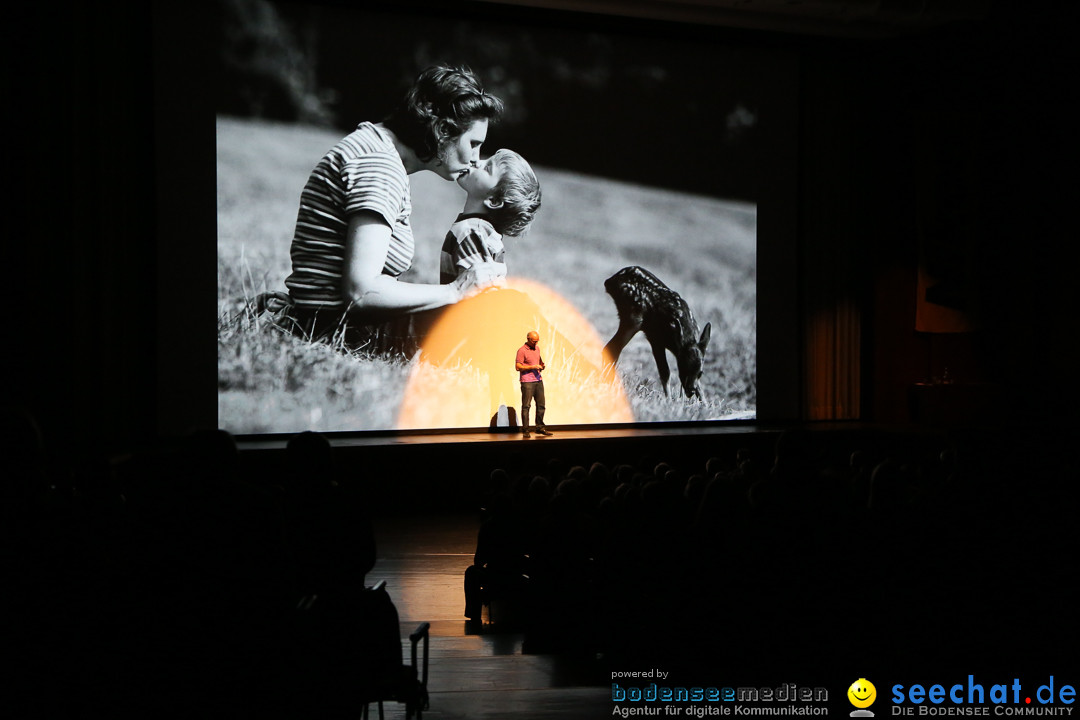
(477, 672)
(456, 437)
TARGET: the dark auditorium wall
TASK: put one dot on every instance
(80, 318)
(970, 121)
(105, 287)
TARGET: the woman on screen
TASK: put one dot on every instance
(353, 237)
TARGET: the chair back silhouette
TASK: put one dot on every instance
(349, 655)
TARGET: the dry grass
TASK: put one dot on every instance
(587, 230)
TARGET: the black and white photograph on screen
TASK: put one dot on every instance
(403, 196)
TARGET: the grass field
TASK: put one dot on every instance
(587, 229)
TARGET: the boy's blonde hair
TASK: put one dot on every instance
(519, 191)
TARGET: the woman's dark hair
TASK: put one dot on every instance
(442, 104)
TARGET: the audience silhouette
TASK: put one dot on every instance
(180, 561)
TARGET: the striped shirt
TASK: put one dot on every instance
(471, 240)
(363, 172)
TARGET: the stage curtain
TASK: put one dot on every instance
(832, 244)
(832, 366)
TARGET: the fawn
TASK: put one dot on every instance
(646, 304)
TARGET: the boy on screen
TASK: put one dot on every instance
(503, 197)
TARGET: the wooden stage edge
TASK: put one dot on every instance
(561, 434)
(448, 471)
(648, 432)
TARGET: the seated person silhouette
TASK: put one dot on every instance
(498, 568)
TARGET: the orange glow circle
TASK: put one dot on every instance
(465, 369)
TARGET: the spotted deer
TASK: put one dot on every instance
(647, 305)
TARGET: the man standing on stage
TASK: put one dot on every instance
(529, 364)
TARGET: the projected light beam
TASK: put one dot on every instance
(465, 370)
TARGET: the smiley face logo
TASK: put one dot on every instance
(862, 693)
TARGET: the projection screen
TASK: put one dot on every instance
(649, 143)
